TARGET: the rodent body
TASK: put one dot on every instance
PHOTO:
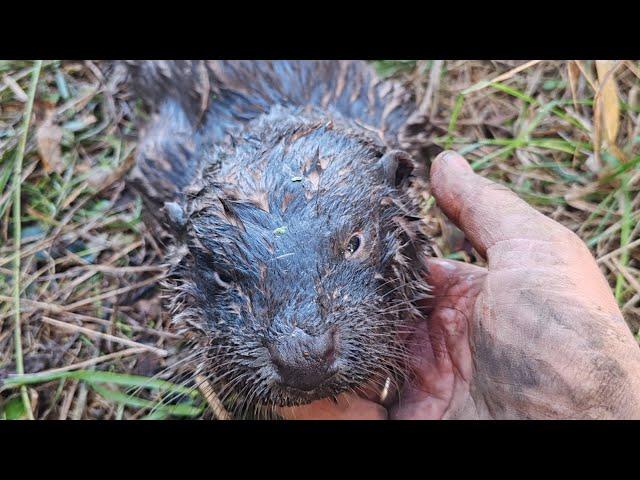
(291, 190)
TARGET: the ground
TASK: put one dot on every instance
(564, 135)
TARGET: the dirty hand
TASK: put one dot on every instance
(537, 334)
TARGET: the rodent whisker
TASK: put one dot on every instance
(182, 380)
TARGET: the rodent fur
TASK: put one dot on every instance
(263, 172)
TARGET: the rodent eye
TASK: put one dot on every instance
(222, 281)
(353, 245)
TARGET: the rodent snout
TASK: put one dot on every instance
(304, 361)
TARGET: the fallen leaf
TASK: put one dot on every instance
(609, 101)
(48, 138)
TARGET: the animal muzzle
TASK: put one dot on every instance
(304, 362)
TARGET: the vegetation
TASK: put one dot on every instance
(94, 339)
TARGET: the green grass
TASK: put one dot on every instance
(98, 381)
(17, 229)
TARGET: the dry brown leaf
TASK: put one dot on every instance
(48, 138)
(609, 101)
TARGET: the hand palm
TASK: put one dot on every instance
(443, 365)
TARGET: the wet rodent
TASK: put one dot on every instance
(292, 190)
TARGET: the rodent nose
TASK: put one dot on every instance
(304, 361)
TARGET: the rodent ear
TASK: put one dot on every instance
(397, 167)
(175, 216)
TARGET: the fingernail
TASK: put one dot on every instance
(454, 160)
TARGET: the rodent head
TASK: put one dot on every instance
(303, 261)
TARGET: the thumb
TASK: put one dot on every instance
(485, 211)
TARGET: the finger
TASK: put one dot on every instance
(345, 407)
(453, 303)
(485, 211)
(445, 273)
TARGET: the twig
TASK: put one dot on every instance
(66, 405)
(106, 336)
(428, 104)
(122, 270)
(81, 402)
(624, 248)
(632, 67)
(112, 293)
(618, 266)
(15, 88)
(212, 399)
(135, 328)
(94, 361)
(17, 233)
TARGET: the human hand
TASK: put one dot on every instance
(537, 334)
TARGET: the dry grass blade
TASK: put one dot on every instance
(17, 233)
(500, 78)
(573, 72)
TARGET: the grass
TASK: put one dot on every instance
(87, 259)
(17, 234)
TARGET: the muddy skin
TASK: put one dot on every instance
(292, 192)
